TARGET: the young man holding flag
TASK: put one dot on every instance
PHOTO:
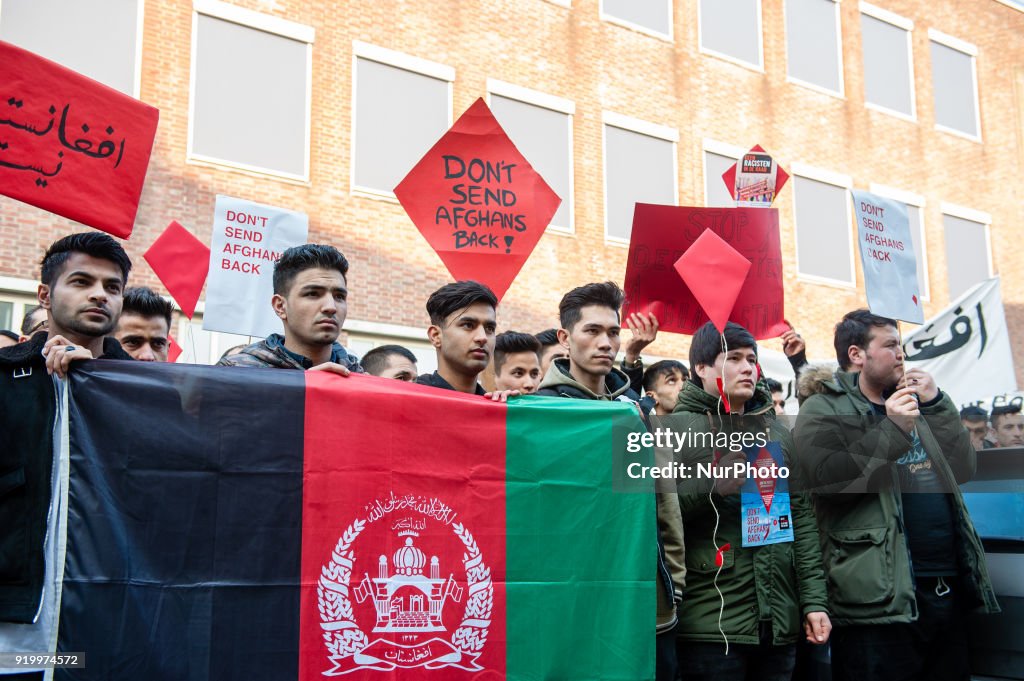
(462, 326)
(311, 298)
(83, 278)
(591, 331)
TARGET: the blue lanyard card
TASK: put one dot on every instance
(764, 498)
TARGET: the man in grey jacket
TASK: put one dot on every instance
(311, 298)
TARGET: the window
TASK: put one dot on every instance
(732, 29)
(639, 167)
(403, 105)
(717, 159)
(7, 315)
(914, 203)
(68, 31)
(888, 71)
(824, 249)
(955, 84)
(541, 128)
(813, 51)
(649, 16)
(250, 90)
(968, 257)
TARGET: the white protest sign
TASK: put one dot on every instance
(966, 347)
(887, 254)
(248, 238)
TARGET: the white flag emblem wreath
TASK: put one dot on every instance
(352, 649)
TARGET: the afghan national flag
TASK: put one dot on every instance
(227, 523)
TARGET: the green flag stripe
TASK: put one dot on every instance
(580, 558)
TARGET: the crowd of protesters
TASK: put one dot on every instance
(884, 563)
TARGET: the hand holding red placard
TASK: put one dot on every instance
(478, 201)
(71, 145)
(662, 234)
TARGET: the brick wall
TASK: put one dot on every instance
(600, 66)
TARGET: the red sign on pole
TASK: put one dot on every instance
(662, 234)
(478, 202)
(71, 145)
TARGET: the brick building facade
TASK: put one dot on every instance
(667, 90)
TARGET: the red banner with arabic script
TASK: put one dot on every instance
(71, 145)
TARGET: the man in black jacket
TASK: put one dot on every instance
(83, 279)
(462, 326)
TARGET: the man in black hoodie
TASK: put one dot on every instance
(83, 278)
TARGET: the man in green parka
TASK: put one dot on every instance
(884, 450)
(771, 594)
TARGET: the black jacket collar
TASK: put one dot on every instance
(31, 351)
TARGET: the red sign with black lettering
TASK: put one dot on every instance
(478, 201)
(71, 145)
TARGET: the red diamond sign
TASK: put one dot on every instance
(477, 201)
(715, 272)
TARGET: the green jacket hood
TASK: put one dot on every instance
(693, 398)
(558, 380)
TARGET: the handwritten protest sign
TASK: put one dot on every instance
(71, 145)
(477, 201)
(887, 254)
(661, 234)
(248, 238)
(755, 180)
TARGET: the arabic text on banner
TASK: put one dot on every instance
(966, 347)
(248, 238)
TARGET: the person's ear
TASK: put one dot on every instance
(707, 373)
(434, 335)
(563, 338)
(856, 355)
(43, 296)
(280, 306)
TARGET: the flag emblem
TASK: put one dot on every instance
(383, 607)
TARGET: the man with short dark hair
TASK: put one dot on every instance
(778, 396)
(311, 298)
(776, 591)
(462, 325)
(975, 420)
(35, 319)
(550, 349)
(905, 564)
(144, 325)
(517, 362)
(591, 333)
(82, 283)
(662, 382)
(1008, 425)
(390, 361)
